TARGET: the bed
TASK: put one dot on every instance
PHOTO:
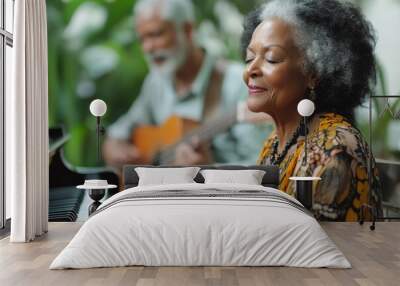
(201, 224)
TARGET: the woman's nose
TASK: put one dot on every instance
(253, 68)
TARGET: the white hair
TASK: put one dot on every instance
(318, 47)
(177, 11)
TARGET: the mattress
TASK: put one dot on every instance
(201, 225)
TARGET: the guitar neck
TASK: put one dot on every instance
(210, 129)
(203, 134)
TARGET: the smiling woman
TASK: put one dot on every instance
(276, 55)
(321, 50)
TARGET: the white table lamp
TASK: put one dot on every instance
(98, 108)
(305, 108)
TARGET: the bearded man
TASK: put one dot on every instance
(184, 80)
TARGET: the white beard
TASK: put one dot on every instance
(173, 58)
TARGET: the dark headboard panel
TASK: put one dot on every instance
(270, 179)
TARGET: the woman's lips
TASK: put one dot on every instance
(253, 89)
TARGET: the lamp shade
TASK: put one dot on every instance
(306, 107)
(98, 107)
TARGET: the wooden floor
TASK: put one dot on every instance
(375, 256)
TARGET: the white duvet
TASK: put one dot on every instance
(185, 231)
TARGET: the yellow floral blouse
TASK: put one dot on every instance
(338, 154)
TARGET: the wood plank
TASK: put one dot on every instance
(374, 255)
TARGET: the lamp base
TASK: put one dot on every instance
(304, 191)
(93, 207)
(96, 195)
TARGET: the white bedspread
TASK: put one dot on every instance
(182, 231)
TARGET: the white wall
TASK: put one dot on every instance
(385, 17)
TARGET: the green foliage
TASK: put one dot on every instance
(93, 53)
(69, 71)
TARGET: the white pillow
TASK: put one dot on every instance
(248, 177)
(162, 176)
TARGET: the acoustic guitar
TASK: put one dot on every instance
(158, 144)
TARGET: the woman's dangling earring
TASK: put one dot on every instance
(273, 94)
(312, 95)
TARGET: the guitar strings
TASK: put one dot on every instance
(168, 155)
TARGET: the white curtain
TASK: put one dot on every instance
(27, 123)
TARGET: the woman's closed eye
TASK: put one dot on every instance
(248, 60)
(269, 58)
(272, 61)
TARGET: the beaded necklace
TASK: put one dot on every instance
(276, 159)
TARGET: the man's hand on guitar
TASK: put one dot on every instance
(118, 153)
(193, 153)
